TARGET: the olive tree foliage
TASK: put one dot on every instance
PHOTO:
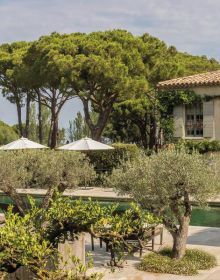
(30, 241)
(48, 170)
(166, 184)
(23, 243)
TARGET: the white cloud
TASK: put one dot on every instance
(191, 25)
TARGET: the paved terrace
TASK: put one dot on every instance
(101, 194)
(205, 238)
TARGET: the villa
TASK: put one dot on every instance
(202, 119)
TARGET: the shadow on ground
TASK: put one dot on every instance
(205, 236)
(101, 258)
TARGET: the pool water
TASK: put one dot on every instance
(208, 217)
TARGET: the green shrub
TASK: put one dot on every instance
(193, 261)
(44, 169)
(203, 146)
(7, 134)
(106, 161)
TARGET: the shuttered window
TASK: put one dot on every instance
(208, 119)
(194, 120)
(178, 114)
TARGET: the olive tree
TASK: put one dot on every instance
(48, 170)
(167, 184)
(23, 243)
(40, 228)
(30, 241)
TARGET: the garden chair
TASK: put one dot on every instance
(139, 242)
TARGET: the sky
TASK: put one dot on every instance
(190, 25)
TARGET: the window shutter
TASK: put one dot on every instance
(178, 121)
(208, 119)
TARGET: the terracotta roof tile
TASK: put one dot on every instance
(203, 79)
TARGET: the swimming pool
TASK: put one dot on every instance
(208, 217)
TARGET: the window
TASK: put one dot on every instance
(194, 120)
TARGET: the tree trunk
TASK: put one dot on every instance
(48, 197)
(153, 127)
(27, 124)
(49, 135)
(144, 138)
(54, 132)
(54, 121)
(96, 133)
(96, 130)
(40, 125)
(20, 128)
(180, 238)
(18, 200)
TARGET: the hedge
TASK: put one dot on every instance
(203, 146)
(106, 161)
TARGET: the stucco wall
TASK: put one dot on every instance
(178, 115)
(211, 91)
(217, 118)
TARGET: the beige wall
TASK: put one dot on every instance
(178, 115)
(208, 119)
(210, 91)
(217, 118)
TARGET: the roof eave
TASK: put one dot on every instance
(186, 86)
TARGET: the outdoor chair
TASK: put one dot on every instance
(146, 239)
(148, 235)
